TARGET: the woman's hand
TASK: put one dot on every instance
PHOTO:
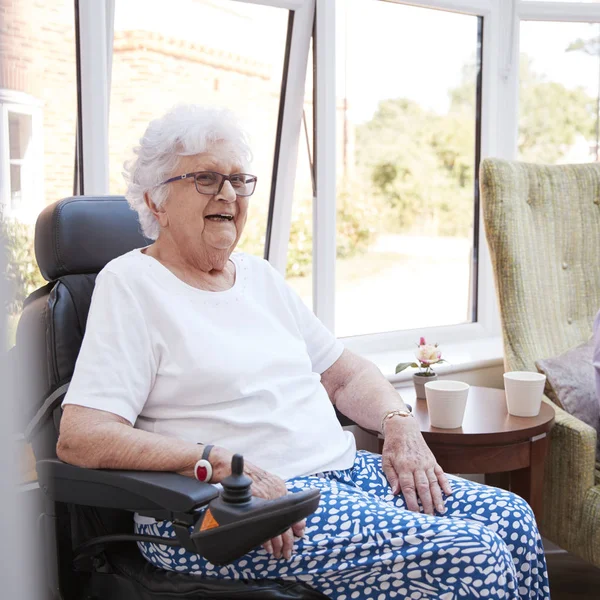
(268, 486)
(411, 468)
(264, 485)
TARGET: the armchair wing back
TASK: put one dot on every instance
(543, 229)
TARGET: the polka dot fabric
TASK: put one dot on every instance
(362, 543)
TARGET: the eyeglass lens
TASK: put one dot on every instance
(209, 183)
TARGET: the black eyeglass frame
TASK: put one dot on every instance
(254, 179)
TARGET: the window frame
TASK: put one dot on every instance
(24, 104)
(499, 138)
(579, 12)
(487, 324)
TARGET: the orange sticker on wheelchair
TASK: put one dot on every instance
(209, 522)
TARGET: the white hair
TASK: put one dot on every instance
(185, 130)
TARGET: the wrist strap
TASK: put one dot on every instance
(207, 450)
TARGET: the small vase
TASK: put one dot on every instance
(420, 381)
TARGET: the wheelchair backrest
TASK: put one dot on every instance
(74, 239)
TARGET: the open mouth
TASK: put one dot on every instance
(220, 217)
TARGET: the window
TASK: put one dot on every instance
(19, 142)
(38, 113)
(559, 105)
(161, 59)
(20, 157)
(407, 82)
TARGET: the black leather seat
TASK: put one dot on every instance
(74, 240)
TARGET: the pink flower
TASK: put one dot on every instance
(428, 354)
(422, 341)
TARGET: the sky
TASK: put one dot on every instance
(383, 50)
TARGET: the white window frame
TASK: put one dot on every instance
(488, 323)
(21, 103)
(559, 11)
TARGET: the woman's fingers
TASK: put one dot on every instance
(424, 491)
(288, 543)
(443, 480)
(390, 473)
(298, 528)
(436, 492)
(282, 545)
(277, 546)
(407, 485)
(268, 546)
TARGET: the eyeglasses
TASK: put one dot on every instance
(211, 182)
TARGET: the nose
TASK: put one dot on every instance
(227, 193)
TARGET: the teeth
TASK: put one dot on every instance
(223, 216)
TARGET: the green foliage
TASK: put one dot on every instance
(590, 46)
(300, 246)
(22, 271)
(355, 226)
(419, 166)
(357, 221)
(402, 366)
(551, 117)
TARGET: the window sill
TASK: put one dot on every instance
(471, 355)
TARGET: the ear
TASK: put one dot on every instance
(159, 212)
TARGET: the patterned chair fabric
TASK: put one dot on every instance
(543, 228)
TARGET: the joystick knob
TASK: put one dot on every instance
(236, 487)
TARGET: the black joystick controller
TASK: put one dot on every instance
(236, 487)
(236, 522)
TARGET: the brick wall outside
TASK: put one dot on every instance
(37, 56)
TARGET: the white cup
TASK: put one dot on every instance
(446, 402)
(524, 391)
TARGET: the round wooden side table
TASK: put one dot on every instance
(511, 451)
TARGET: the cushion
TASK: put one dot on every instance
(570, 383)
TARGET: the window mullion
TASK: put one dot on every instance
(94, 95)
(324, 207)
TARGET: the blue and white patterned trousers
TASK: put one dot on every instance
(362, 543)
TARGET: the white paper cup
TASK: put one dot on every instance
(524, 391)
(446, 402)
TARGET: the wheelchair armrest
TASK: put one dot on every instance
(127, 490)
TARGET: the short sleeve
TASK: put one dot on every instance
(322, 346)
(115, 369)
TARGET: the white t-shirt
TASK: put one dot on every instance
(239, 368)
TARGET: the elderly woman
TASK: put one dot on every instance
(194, 352)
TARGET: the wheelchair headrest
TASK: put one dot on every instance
(82, 234)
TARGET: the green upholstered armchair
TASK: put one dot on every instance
(543, 228)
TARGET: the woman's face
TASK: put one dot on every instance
(190, 217)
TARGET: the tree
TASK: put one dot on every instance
(419, 165)
(551, 116)
(592, 48)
